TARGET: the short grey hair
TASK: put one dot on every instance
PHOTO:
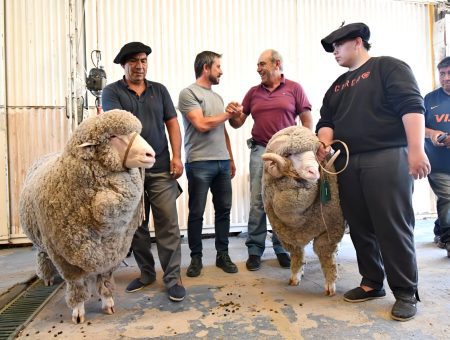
(275, 55)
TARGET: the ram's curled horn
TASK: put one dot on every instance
(274, 164)
(83, 145)
(332, 159)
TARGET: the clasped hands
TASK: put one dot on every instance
(234, 109)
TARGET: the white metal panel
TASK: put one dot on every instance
(391, 34)
(4, 197)
(37, 81)
(179, 29)
(37, 56)
(32, 132)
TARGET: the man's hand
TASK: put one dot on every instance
(325, 135)
(419, 165)
(434, 139)
(234, 109)
(176, 168)
(232, 168)
(446, 142)
(322, 152)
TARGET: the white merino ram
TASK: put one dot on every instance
(82, 207)
(292, 202)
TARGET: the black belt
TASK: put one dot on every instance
(251, 143)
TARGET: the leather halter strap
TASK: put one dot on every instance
(128, 149)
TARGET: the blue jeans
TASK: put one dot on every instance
(202, 176)
(257, 225)
(440, 183)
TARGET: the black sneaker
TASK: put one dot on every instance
(284, 260)
(195, 267)
(404, 308)
(447, 247)
(359, 295)
(136, 285)
(253, 263)
(177, 292)
(223, 261)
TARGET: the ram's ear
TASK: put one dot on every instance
(273, 164)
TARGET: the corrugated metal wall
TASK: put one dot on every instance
(38, 41)
(37, 80)
(4, 197)
(179, 29)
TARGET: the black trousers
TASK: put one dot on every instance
(376, 199)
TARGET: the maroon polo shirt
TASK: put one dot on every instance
(273, 111)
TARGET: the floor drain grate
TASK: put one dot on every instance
(16, 314)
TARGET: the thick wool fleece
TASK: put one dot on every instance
(82, 207)
(293, 207)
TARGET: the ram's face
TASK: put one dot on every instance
(306, 165)
(133, 151)
(300, 166)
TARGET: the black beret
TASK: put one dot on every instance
(346, 32)
(131, 48)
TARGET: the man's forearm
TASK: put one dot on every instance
(173, 129)
(414, 124)
(306, 119)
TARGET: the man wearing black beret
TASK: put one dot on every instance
(151, 103)
(129, 49)
(377, 110)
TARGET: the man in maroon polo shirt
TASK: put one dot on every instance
(274, 105)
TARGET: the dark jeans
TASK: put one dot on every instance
(202, 176)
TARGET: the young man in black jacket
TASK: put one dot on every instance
(377, 110)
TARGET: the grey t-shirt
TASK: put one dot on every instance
(202, 146)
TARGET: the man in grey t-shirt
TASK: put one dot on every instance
(209, 160)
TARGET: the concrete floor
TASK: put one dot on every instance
(252, 305)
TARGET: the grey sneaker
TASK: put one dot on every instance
(404, 308)
(195, 267)
(224, 262)
(447, 247)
